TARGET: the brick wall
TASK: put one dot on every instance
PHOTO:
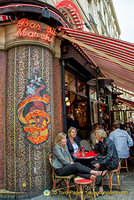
(57, 84)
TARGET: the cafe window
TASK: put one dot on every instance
(70, 81)
(74, 84)
(92, 94)
(81, 87)
(75, 98)
(94, 112)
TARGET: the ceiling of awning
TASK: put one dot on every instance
(114, 57)
(126, 102)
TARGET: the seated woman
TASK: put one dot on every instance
(73, 141)
(92, 134)
(108, 157)
(64, 165)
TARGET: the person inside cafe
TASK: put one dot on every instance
(64, 165)
(107, 129)
(73, 141)
(128, 129)
(72, 122)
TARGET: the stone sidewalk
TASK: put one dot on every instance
(127, 193)
(127, 183)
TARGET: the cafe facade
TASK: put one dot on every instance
(43, 78)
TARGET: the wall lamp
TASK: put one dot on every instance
(87, 25)
(46, 13)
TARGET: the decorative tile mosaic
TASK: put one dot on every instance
(32, 110)
(27, 165)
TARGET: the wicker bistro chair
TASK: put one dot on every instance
(62, 181)
(81, 183)
(110, 175)
(86, 145)
(123, 164)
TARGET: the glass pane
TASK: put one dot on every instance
(119, 116)
(95, 113)
(92, 94)
(81, 87)
(81, 111)
(70, 81)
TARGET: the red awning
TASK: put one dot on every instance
(114, 57)
(126, 102)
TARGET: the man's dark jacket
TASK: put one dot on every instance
(108, 157)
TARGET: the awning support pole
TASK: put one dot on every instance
(97, 93)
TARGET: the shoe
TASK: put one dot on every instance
(101, 191)
(98, 193)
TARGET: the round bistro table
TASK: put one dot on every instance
(85, 155)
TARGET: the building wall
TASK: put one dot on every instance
(26, 143)
(26, 163)
(57, 87)
(27, 167)
(2, 111)
(99, 14)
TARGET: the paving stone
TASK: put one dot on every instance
(127, 183)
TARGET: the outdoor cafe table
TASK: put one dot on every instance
(85, 155)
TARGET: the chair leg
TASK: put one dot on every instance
(118, 179)
(54, 181)
(77, 187)
(94, 195)
(122, 166)
(119, 165)
(54, 185)
(126, 165)
(110, 181)
(90, 191)
(81, 192)
(68, 189)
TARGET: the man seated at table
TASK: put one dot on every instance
(108, 157)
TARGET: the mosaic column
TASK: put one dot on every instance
(2, 116)
(29, 118)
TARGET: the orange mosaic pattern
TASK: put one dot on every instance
(31, 111)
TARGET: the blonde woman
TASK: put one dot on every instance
(108, 157)
(64, 165)
(73, 141)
